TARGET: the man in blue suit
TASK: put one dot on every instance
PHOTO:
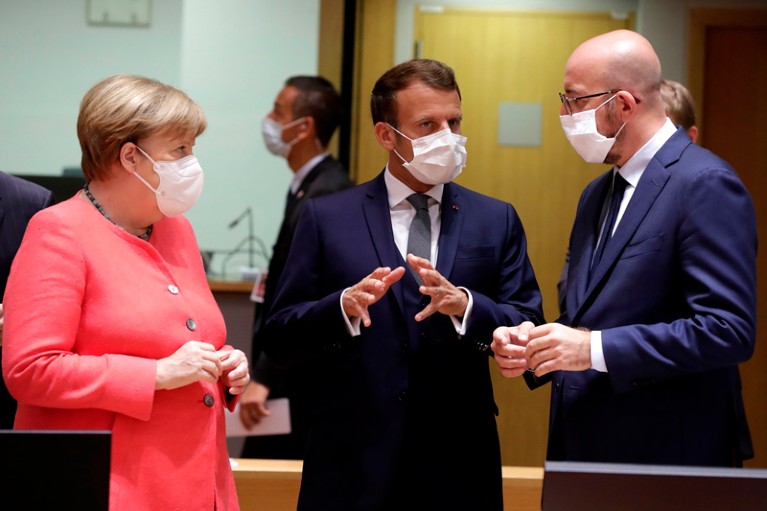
(19, 200)
(404, 415)
(660, 304)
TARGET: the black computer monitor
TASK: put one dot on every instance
(574, 486)
(46, 470)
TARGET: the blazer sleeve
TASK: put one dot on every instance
(715, 241)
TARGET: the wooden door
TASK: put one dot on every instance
(728, 79)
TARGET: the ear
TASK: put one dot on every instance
(128, 157)
(626, 105)
(693, 133)
(385, 136)
(308, 127)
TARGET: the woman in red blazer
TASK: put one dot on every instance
(109, 320)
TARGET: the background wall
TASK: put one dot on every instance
(231, 56)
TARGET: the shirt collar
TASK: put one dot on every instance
(302, 172)
(399, 191)
(635, 166)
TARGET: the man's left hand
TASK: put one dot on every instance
(445, 297)
(554, 347)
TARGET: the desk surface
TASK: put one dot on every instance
(230, 286)
(272, 485)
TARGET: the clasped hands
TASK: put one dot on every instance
(540, 349)
(445, 297)
(200, 361)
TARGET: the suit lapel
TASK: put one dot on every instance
(584, 238)
(375, 207)
(451, 219)
(651, 184)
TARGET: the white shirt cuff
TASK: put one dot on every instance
(597, 355)
(352, 324)
(460, 325)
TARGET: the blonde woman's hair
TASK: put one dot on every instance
(125, 108)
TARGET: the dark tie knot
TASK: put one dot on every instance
(419, 201)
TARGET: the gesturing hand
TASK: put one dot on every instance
(368, 291)
(445, 297)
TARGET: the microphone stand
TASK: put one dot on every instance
(251, 239)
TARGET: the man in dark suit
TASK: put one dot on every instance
(404, 415)
(299, 128)
(19, 200)
(660, 305)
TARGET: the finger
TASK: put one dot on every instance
(523, 331)
(394, 276)
(426, 312)
(543, 369)
(418, 262)
(502, 335)
(365, 317)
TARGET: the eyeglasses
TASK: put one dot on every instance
(566, 101)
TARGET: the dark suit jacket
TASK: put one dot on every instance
(19, 200)
(404, 406)
(675, 298)
(327, 177)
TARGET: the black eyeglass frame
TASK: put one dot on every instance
(566, 101)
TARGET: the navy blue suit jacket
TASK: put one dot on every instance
(19, 200)
(404, 404)
(675, 298)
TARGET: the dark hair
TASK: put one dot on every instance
(383, 101)
(318, 99)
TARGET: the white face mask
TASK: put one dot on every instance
(272, 132)
(437, 158)
(180, 184)
(581, 130)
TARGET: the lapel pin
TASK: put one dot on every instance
(455, 207)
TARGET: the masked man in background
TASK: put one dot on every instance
(306, 113)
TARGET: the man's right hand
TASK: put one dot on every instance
(368, 291)
(253, 404)
(508, 348)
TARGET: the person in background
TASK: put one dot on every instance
(396, 344)
(680, 106)
(305, 115)
(19, 200)
(661, 295)
(120, 331)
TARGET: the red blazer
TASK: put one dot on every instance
(89, 309)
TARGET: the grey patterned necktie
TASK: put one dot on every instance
(419, 237)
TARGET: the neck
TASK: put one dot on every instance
(99, 196)
(302, 152)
